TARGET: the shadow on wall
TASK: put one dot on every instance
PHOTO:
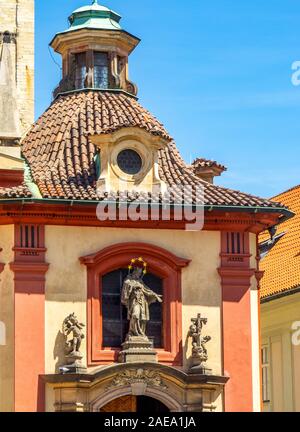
(58, 352)
(185, 350)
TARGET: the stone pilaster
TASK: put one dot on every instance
(29, 268)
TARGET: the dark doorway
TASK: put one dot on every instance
(135, 404)
(147, 405)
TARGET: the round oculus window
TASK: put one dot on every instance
(129, 161)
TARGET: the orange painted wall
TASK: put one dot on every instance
(236, 274)
(29, 269)
(29, 345)
(237, 349)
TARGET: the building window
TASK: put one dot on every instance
(265, 352)
(114, 314)
(101, 70)
(80, 73)
(165, 327)
(130, 162)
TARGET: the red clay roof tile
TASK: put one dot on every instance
(61, 156)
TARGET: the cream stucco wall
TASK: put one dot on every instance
(277, 319)
(7, 162)
(66, 283)
(7, 317)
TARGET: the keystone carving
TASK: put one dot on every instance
(133, 376)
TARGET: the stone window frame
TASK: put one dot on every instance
(141, 149)
(163, 264)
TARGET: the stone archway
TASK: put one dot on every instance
(137, 390)
(177, 390)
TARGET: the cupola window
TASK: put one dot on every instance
(101, 70)
(80, 75)
(104, 46)
(129, 161)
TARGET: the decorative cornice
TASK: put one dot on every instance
(114, 370)
(84, 214)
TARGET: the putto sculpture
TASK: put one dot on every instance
(72, 331)
(199, 351)
(72, 325)
(137, 297)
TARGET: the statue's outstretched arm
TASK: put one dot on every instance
(152, 296)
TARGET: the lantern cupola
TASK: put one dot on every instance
(95, 51)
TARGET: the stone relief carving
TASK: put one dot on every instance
(199, 351)
(133, 376)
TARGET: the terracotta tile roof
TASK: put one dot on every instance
(15, 192)
(282, 263)
(203, 163)
(61, 156)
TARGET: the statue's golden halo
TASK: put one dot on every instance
(138, 262)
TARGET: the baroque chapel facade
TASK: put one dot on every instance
(112, 296)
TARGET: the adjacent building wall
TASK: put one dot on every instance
(17, 17)
(277, 318)
(7, 317)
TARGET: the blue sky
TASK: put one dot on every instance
(217, 73)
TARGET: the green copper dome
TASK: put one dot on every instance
(94, 16)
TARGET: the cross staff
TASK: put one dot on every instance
(199, 322)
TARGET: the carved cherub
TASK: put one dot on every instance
(72, 325)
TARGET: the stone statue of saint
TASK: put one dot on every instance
(137, 298)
